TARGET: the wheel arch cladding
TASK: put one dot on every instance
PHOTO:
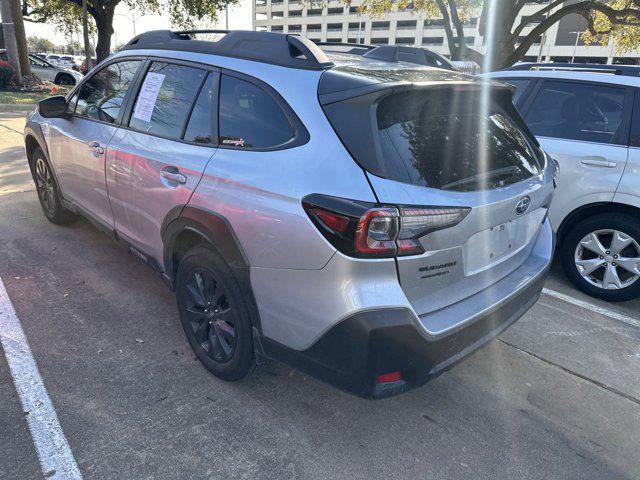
(186, 226)
(586, 211)
(33, 139)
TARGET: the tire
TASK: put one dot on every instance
(214, 314)
(64, 79)
(48, 191)
(605, 256)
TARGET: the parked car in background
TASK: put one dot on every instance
(48, 72)
(336, 212)
(66, 62)
(588, 119)
(53, 59)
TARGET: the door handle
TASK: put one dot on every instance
(173, 174)
(96, 147)
(598, 162)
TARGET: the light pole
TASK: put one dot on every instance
(575, 46)
(132, 18)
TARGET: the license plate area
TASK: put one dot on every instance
(499, 242)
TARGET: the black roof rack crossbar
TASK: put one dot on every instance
(268, 47)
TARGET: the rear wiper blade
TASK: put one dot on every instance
(501, 172)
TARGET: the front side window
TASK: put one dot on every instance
(250, 117)
(577, 111)
(165, 99)
(102, 96)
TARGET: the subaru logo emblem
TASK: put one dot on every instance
(523, 205)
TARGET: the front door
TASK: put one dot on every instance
(81, 149)
(160, 156)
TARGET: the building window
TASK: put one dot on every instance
(335, 11)
(405, 41)
(379, 41)
(434, 24)
(433, 41)
(334, 40)
(295, 13)
(355, 26)
(314, 27)
(295, 28)
(334, 27)
(276, 28)
(277, 14)
(314, 11)
(353, 10)
(380, 25)
(406, 25)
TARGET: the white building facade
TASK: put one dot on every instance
(333, 21)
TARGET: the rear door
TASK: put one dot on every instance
(585, 127)
(162, 150)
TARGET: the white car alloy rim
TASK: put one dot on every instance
(608, 259)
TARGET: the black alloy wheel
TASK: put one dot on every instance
(211, 318)
(48, 192)
(45, 187)
(214, 314)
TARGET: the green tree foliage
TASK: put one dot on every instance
(67, 14)
(502, 25)
(39, 44)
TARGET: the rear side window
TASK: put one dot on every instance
(520, 85)
(165, 98)
(102, 96)
(249, 117)
(446, 140)
(578, 111)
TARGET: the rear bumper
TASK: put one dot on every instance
(354, 352)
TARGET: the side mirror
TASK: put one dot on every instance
(54, 107)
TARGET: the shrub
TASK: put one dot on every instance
(6, 74)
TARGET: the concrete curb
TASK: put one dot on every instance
(17, 107)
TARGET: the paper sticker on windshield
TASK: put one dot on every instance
(148, 96)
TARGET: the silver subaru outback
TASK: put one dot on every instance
(362, 218)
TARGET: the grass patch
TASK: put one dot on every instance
(16, 97)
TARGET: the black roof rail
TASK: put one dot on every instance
(623, 70)
(268, 47)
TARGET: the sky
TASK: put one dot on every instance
(239, 19)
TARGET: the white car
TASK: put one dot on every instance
(589, 121)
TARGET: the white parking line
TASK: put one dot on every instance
(594, 308)
(54, 453)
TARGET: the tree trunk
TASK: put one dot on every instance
(21, 37)
(104, 24)
(85, 37)
(10, 39)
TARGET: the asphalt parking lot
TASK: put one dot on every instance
(556, 396)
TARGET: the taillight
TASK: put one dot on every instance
(362, 229)
(416, 222)
(377, 231)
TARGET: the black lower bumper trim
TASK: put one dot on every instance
(353, 353)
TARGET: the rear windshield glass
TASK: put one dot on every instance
(445, 139)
